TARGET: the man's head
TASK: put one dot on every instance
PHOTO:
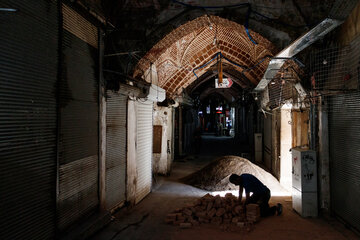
(235, 179)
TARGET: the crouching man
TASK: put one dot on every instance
(260, 193)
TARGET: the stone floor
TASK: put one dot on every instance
(146, 220)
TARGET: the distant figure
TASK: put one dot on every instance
(219, 128)
(208, 126)
(260, 196)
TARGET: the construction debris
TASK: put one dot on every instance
(222, 211)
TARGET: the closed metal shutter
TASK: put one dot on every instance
(115, 149)
(344, 131)
(28, 76)
(144, 149)
(79, 108)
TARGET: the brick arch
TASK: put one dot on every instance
(191, 45)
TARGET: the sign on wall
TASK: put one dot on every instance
(226, 83)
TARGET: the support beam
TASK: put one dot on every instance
(324, 159)
(131, 174)
(102, 126)
(180, 127)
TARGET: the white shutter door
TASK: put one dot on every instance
(115, 149)
(144, 149)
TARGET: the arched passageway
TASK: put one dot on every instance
(97, 98)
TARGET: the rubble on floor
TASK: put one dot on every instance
(225, 212)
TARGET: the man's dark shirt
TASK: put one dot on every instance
(252, 184)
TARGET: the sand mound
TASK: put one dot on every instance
(215, 176)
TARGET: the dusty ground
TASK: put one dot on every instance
(146, 220)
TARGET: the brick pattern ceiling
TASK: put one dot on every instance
(192, 45)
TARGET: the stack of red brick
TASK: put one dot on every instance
(252, 212)
(214, 209)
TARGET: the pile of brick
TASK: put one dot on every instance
(216, 210)
(252, 212)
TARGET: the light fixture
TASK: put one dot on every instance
(220, 71)
(8, 10)
(325, 62)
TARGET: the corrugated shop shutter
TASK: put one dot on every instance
(344, 131)
(115, 149)
(28, 76)
(144, 149)
(79, 108)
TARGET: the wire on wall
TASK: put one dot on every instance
(247, 25)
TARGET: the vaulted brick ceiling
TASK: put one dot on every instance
(179, 54)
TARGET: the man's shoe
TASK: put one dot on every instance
(279, 209)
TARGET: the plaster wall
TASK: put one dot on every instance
(285, 146)
(131, 153)
(163, 116)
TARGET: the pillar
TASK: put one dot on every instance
(285, 146)
(323, 163)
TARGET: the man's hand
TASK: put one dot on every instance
(240, 193)
(247, 199)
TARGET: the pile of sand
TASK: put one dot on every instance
(215, 176)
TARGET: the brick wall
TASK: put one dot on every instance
(192, 45)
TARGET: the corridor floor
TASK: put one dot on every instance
(146, 220)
